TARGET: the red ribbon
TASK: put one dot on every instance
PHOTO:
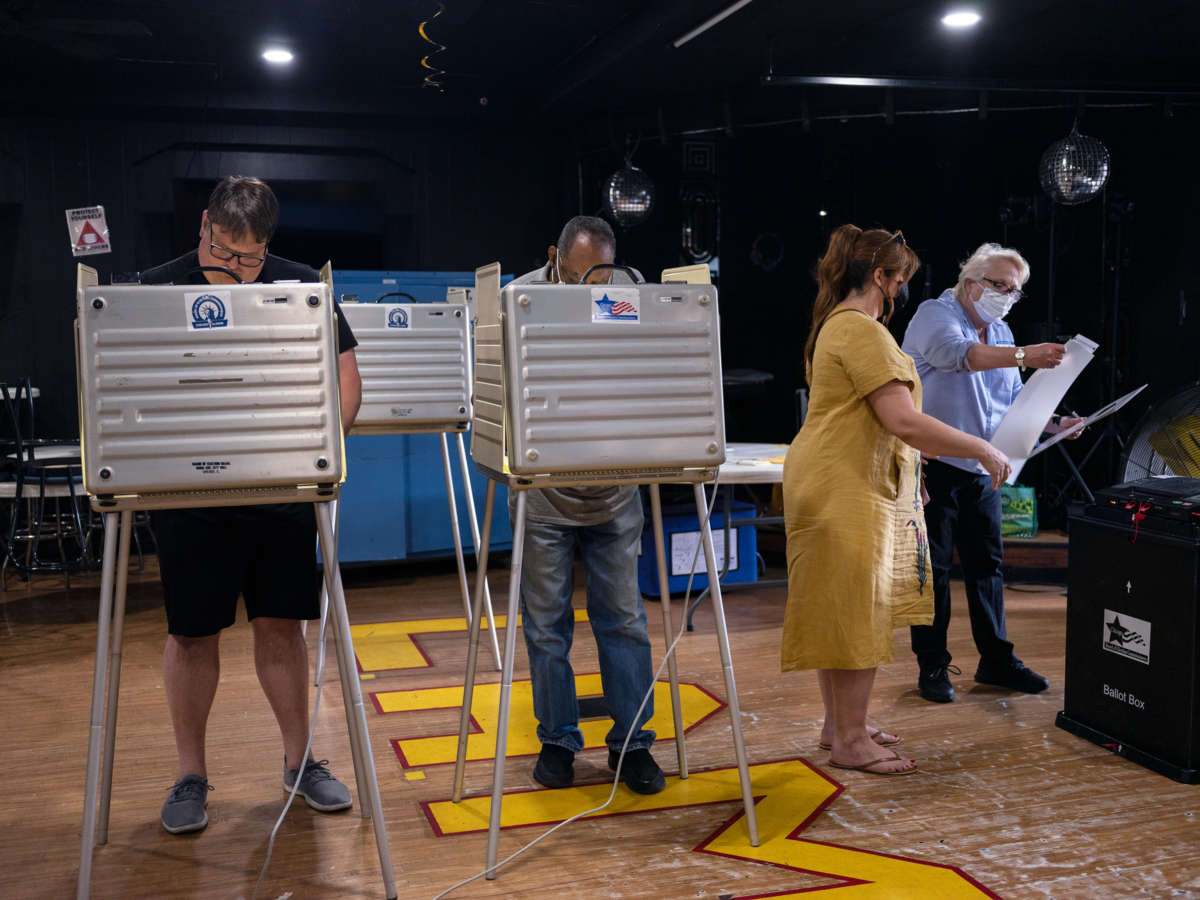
(1137, 515)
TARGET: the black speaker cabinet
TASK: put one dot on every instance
(1133, 625)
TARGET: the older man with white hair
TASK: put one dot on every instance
(970, 368)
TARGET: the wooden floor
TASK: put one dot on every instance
(1024, 809)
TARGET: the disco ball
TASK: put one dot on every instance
(629, 196)
(1073, 170)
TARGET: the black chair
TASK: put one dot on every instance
(746, 403)
(801, 407)
(39, 470)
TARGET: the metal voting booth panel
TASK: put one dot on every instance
(605, 384)
(415, 363)
(397, 495)
(192, 395)
(615, 382)
(207, 395)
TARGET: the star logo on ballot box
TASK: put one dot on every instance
(614, 308)
(1120, 635)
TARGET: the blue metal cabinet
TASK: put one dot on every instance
(425, 287)
(428, 513)
(394, 500)
(373, 520)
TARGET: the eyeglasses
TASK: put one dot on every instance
(1006, 289)
(224, 254)
(898, 237)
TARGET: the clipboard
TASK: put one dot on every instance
(1102, 413)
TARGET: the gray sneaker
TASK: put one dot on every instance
(318, 787)
(184, 809)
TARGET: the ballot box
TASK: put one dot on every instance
(1133, 625)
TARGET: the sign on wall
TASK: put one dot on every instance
(88, 229)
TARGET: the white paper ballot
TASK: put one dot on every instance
(1027, 417)
(1101, 413)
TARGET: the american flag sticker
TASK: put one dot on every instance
(610, 304)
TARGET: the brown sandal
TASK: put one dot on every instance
(875, 737)
(866, 767)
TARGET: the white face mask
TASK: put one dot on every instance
(992, 306)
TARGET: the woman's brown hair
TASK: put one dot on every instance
(849, 263)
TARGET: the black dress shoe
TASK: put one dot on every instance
(555, 767)
(639, 771)
(1015, 675)
(934, 683)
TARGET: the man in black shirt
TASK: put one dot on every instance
(268, 552)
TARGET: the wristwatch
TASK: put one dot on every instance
(1019, 356)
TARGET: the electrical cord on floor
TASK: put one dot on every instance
(320, 670)
(1037, 586)
(621, 759)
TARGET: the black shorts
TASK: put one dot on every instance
(207, 557)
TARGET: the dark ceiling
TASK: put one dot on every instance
(582, 59)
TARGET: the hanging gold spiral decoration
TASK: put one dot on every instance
(433, 78)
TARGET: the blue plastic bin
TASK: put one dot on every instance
(681, 530)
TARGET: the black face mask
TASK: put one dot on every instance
(901, 299)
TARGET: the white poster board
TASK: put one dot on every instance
(1026, 419)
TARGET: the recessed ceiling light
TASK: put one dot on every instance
(961, 18)
(278, 56)
(822, 213)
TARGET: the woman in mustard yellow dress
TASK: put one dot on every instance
(856, 547)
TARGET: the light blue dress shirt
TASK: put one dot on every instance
(938, 338)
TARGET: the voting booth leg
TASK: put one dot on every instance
(458, 548)
(727, 554)
(474, 520)
(510, 652)
(464, 721)
(114, 673)
(344, 665)
(660, 557)
(96, 730)
(341, 620)
(735, 713)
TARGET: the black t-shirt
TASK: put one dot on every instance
(185, 270)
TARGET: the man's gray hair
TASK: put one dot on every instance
(975, 266)
(593, 227)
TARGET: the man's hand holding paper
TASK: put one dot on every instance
(1029, 415)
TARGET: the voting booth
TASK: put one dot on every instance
(394, 508)
(196, 396)
(415, 363)
(595, 385)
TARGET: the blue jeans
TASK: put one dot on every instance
(617, 616)
(964, 511)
